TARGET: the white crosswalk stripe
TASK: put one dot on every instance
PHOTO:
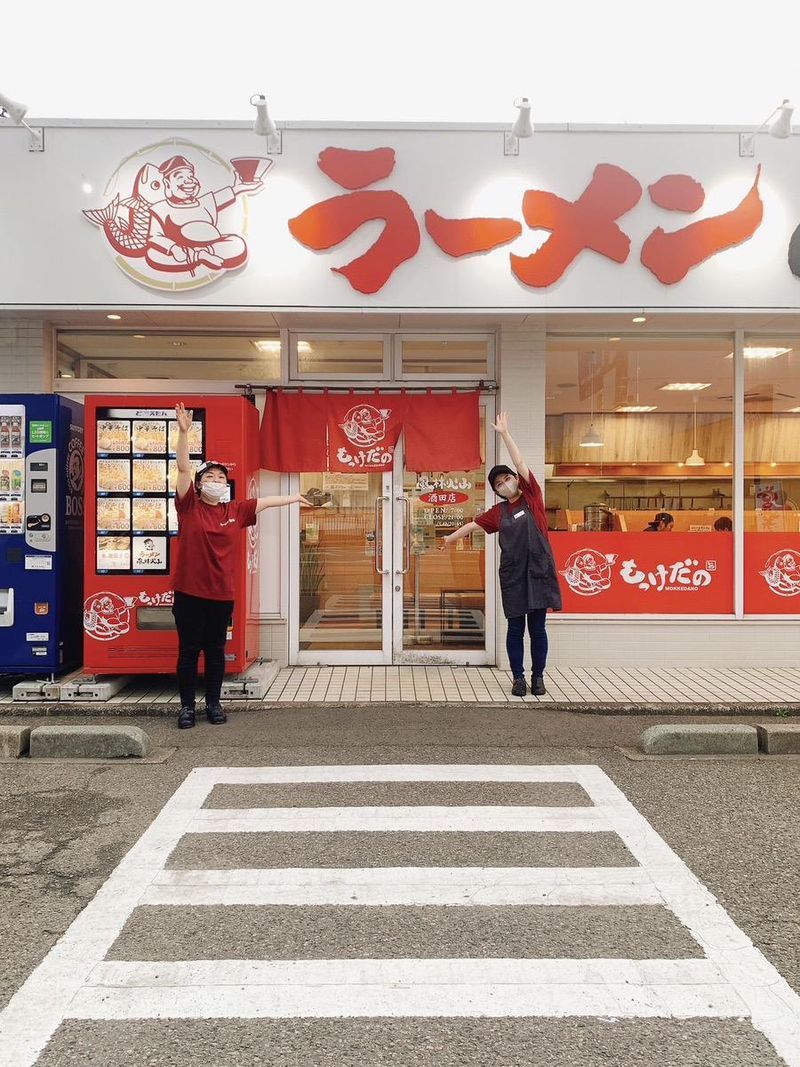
(75, 980)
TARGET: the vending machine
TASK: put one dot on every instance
(41, 533)
(132, 540)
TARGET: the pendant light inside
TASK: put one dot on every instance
(695, 459)
(591, 439)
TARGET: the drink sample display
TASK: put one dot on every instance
(41, 533)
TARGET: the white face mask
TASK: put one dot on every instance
(508, 489)
(215, 492)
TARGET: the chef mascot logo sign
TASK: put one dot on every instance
(176, 214)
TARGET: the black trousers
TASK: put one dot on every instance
(202, 627)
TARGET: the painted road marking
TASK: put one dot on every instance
(74, 980)
(682, 989)
(486, 818)
(415, 886)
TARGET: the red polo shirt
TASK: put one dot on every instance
(489, 521)
(207, 538)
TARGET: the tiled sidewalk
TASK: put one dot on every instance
(576, 685)
(485, 685)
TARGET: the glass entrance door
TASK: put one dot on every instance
(370, 585)
(342, 606)
(440, 598)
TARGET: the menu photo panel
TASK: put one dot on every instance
(137, 474)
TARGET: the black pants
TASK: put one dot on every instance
(202, 627)
(515, 637)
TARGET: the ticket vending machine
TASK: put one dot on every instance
(132, 540)
(41, 533)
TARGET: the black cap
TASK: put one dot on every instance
(495, 472)
(209, 465)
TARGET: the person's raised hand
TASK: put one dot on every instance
(184, 417)
(501, 422)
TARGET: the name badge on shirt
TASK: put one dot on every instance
(519, 514)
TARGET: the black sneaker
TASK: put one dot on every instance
(215, 715)
(186, 719)
(537, 685)
(519, 688)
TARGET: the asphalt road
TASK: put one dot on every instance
(65, 828)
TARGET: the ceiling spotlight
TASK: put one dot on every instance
(777, 124)
(12, 109)
(522, 127)
(636, 409)
(264, 126)
(114, 318)
(615, 338)
(639, 319)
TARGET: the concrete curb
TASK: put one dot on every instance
(167, 711)
(724, 739)
(88, 742)
(14, 741)
(779, 738)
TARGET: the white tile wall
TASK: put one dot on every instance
(25, 365)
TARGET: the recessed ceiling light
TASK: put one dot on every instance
(66, 374)
(773, 464)
(86, 187)
(615, 338)
(634, 409)
(114, 318)
(685, 387)
(639, 319)
(761, 352)
(139, 336)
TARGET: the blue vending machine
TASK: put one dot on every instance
(41, 534)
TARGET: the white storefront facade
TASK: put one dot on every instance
(631, 297)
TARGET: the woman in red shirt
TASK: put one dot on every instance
(209, 526)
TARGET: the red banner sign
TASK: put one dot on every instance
(359, 431)
(645, 573)
(772, 573)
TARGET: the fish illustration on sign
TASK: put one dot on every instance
(167, 233)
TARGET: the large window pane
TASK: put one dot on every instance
(639, 439)
(216, 357)
(445, 356)
(772, 475)
(323, 357)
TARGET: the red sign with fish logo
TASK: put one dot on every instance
(175, 214)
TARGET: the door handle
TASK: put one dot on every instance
(406, 535)
(379, 500)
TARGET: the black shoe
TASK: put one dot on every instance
(215, 715)
(537, 685)
(519, 688)
(186, 719)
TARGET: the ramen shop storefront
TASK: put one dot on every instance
(647, 359)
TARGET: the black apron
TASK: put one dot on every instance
(528, 579)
